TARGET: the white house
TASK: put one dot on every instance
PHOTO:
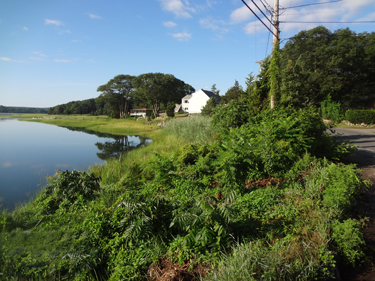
(196, 101)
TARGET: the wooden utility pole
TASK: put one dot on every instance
(276, 35)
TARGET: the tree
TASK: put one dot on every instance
(318, 62)
(256, 97)
(207, 110)
(118, 93)
(215, 91)
(157, 88)
(234, 92)
(170, 109)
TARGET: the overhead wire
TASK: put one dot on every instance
(329, 2)
(368, 21)
(261, 11)
(259, 18)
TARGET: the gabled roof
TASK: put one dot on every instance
(211, 94)
(187, 97)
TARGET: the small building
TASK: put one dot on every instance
(196, 101)
(140, 112)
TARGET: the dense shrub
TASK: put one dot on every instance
(331, 110)
(231, 115)
(360, 116)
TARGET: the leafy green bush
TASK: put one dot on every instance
(211, 104)
(360, 116)
(349, 240)
(232, 115)
(170, 109)
(66, 187)
(331, 110)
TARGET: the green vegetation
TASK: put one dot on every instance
(247, 194)
(198, 196)
(332, 110)
(19, 109)
(125, 92)
(360, 116)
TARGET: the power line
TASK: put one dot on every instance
(258, 17)
(268, 9)
(261, 11)
(313, 4)
(369, 21)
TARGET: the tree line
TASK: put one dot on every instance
(314, 66)
(125, 92)
(18, 109)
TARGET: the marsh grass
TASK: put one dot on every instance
(192, 129)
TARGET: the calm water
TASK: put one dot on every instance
(30, 151)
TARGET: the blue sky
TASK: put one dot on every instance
(56, 51)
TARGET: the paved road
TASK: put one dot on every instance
(365, 142)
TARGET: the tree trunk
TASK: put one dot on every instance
(155, 109)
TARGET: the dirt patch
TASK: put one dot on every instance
(165, 270)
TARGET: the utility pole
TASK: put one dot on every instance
(276, 36)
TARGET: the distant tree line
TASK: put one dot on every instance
(14, 109)
(125, 92)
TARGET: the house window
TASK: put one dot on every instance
(186, 108)
(186, 101)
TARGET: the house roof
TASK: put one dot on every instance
(187, 97)
(211, 94)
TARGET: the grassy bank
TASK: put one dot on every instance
(267, 200)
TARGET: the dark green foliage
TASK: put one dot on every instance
(12, 109)
(231, 115)
(257, 92)
(360, 116)
(331, 110)
(65, 188)
(208, 109)
(319, 62)
(233, 93)
(75, 107)
(170, 109)
(118, 94)
(157, 88)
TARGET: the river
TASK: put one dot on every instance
(29, 152)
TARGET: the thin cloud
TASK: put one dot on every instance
(95, 17)
(182, 36)
(25, 28)
(214, 25)
(36, 58)
(65, 31)
(180, 9)
(64, 60)
(53, 22)
(169, 24)
(5, 59)
(39, 54)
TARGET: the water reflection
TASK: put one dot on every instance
(116, 146)
(30, 151)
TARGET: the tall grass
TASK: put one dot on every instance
(193, 129)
